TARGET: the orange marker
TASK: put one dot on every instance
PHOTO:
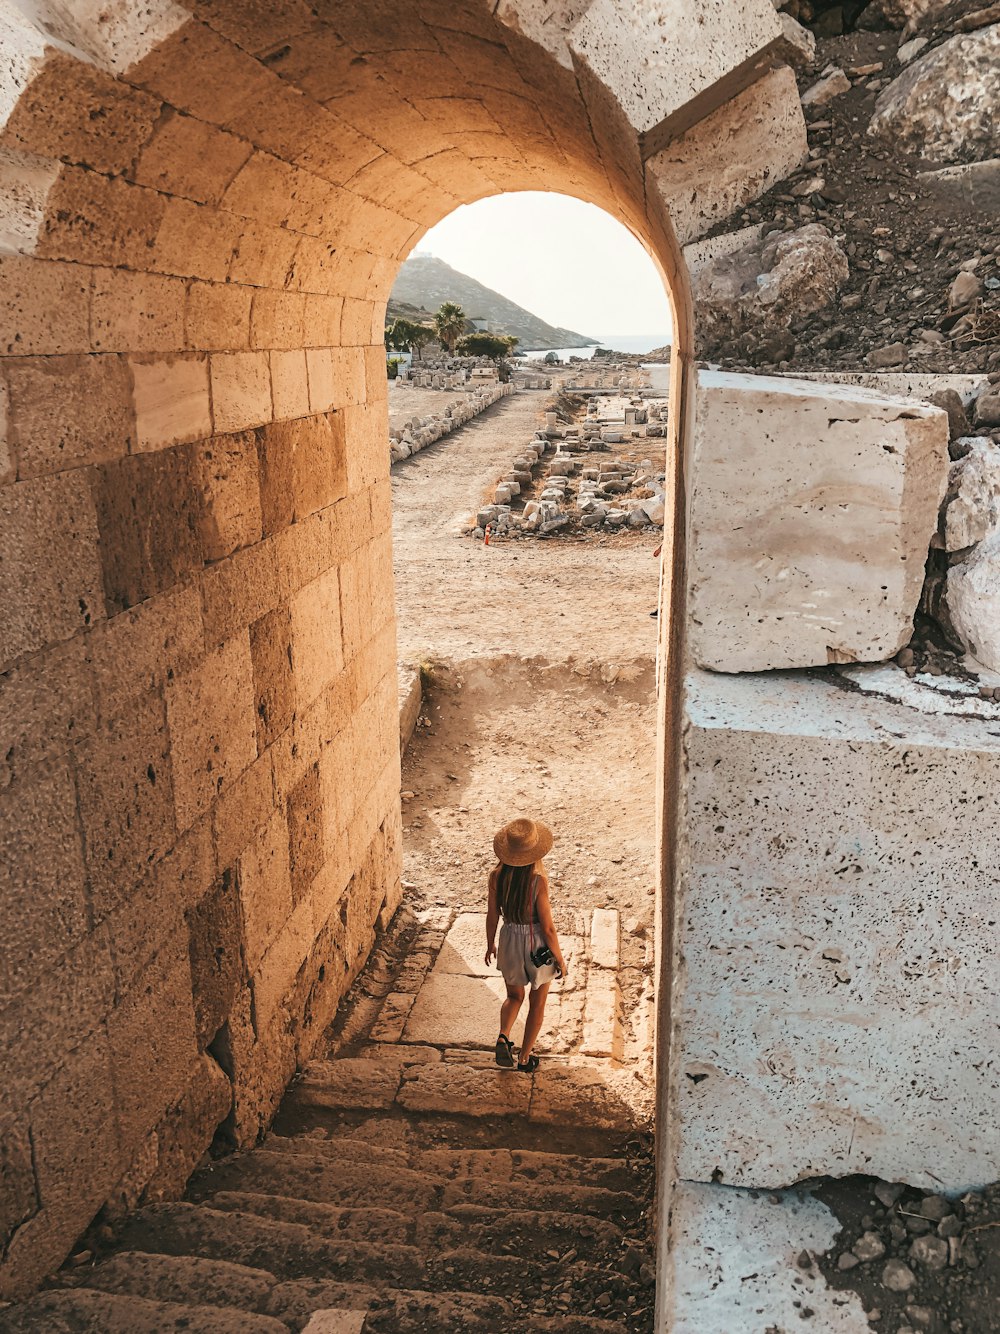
(486, 536)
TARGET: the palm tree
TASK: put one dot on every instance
(449, 324)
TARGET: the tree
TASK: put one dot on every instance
(490, 345)
(403, 335)
(449, 324)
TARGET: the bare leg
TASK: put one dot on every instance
(533, 1023)
(509, 1009)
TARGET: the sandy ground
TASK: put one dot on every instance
(587, 601)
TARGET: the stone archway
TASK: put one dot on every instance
(203, 210)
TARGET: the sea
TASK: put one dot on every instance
(635, 343)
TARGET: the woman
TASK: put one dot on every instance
(529, 953)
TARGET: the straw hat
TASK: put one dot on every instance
(522, 842)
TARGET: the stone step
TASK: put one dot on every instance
(414, 1311)
(291, 1250)
(497, 1164)
(502, 1231)
(313, 1174)
(85, 1311)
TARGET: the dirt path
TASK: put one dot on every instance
(560, 600)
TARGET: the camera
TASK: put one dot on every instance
(542, 956)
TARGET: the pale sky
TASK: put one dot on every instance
(566, 261)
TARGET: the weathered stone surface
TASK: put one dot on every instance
(974, 184)
(171, 401)
(348, 1083)
(115, 1313)
(273, 675)
(48, 545)
(943, 106)
(973, 595)
(467, 1090)
(837, 994)
(460, 1011)
(972, 505)
(215, 948)
(52, 421)
(210, 710)
(809, 543)
(148, 514)
(732, 155)
(769, 282)
(826, 89)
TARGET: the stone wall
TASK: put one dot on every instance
(202, 209)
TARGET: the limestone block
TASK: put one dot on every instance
(67, 411)
(147, 514)
(600, 1015)
(153, 1044)
(450, 1087)
(941, 106)
(289, 384)
(229, 513)
(973, 594)
(317, 645)
(50, 579)
(187, 1131)
(732, 156)
(213, 738)
(189, 158)
(46, 705)
(217, 316)
(653, 80)
(341, 1321)
(265, 888)
(274, 680)
(839, 994)
(136, 312)
(276, 319)
(40, 847)
(831, 85)
(170, 399)
(126, 800)
(972, 506)
(274, 978)
(30, 291)
(604, 938)
(306, 847)
(215, 950)
(350, 1082)
(808, 544)
(241, 390)
(239, 590)
(799, 46)
(243, 810)
(974, 184)
(195, 241)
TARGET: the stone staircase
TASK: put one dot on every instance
(405, 1187)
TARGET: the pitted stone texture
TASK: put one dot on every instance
(974, 601)
(972, 506)
(734, 1255)
(838, 997)
(944, 105)
(809, 539)
(768, 283)
(732, 156)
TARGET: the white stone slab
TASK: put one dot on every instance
(600, 1014)
(839, 1000)
(464, 948)
(901, 382)
(735, 1262)
(812, 511)
(456, 1011)
(336, 1322)
(604, 938)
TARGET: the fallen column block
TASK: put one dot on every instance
(812, 511)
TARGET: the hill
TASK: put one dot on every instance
(424, 282)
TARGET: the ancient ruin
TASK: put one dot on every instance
(244, 1086)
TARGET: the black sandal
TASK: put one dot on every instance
(530, 1065)
(505, 1052)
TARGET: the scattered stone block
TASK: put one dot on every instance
(808, 546)
(604, 933)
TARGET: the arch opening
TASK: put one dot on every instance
(204, 209)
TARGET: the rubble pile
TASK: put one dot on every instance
(891, 223)
(569, 488)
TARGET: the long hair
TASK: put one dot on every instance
(513, 891)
